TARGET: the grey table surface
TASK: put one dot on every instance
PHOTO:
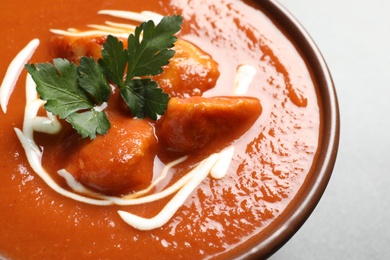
(352, 220)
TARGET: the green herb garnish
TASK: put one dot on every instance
(75, 93)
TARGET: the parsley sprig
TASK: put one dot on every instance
(75, 93)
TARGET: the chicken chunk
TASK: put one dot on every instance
(190, 72)
(118, 162)
(193, 123)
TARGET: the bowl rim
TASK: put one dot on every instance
(322, 171)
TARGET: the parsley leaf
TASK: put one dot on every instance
(113, 61)
(57, 84)
(92, 80)
(144, 97)
(89, 123)
(147, 56)
(72, 92)
(143, 57)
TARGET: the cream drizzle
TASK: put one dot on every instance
(201, 172)
(115, 29)
(216, 165)
(13, 72)
(244, 77)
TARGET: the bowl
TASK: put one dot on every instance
(262, 243)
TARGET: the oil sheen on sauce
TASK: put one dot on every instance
(270, 163)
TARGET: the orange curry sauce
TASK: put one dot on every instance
(270, 164)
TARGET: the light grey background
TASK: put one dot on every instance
(352, 221)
